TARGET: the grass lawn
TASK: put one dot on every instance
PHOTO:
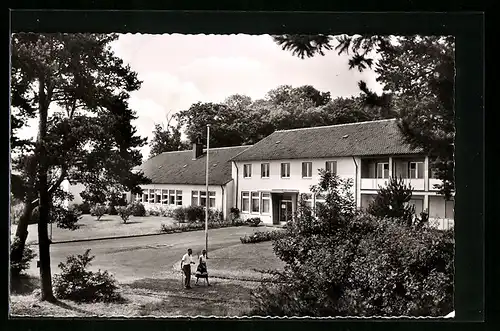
(147, 269)
(108, 226)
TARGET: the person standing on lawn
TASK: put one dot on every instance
(201, 271)
(186, 262)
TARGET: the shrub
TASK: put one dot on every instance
(19, 267)
(195, 214)
(195, 226)
(124, 212)
(153, 212)
(346, 263)
(78, 284)
(16, 211)
(98, 210)
(238, 222)
(138, 209)
(65, 218)
(254, 222)
(215, 217)
(166, 212)
(392, 202)
(234, 213)
(179, 214)
(111, 210)
(84, 208)
(261, 236)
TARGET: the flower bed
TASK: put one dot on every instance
(261, 236)
(184, 227)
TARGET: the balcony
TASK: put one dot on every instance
(432, 182)
(374, 183)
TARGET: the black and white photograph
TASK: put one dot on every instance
(232, 175)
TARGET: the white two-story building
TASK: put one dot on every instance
(270, 175)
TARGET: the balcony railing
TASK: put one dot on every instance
(374, 183)
(432, 182)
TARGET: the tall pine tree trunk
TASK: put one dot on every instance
(44, 205)
(17, 250)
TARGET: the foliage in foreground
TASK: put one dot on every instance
(80, 285)
(347, 263)
(17, 268)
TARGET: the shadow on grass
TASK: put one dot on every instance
(65, 305)
(24, 284)
(131, 222)
(220, 299)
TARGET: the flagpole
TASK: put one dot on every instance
(207, 198)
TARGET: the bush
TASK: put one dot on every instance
(84, 208)
(78, 284)
(125, 212)
(111, 210)
(184, 227)
(179, 214)
(347, 263)
(16, 211)
(234, 213)
(18, 268)
(138, 209)
(65, 218)
(254, 222)
(98, 210)
(195, 214)
(153, 212)
(261, 236)
(238, 222)
(392, 202)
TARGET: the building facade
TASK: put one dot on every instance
(271, 175)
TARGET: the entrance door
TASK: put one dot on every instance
(285, 210)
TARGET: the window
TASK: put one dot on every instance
(416, 170)
(331, 167)
(266, 203)
(178, 201)
(285, 170)
(264, 170)
(171, 197)
(247, 170)
(382, 170)
(255, 202)
(157, 196)
(194, 198)
(211, 199)
(151, 196)
(307, 169)
(203, 198)
(144, 197)
(164, 197)
(245, 202)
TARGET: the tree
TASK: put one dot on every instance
(78, 90)
(166, 139)
(343, 262)
(418, 77)
(392, 201)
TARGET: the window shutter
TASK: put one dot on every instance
(334, 167)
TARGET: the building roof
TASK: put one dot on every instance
(179, 167)
(354, 139)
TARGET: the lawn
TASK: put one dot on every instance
(147, 269)
(108, 226)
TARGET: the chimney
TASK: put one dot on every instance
(197, 150)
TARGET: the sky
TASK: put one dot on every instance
(179, 70)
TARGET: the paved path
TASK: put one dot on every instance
(135, 258)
